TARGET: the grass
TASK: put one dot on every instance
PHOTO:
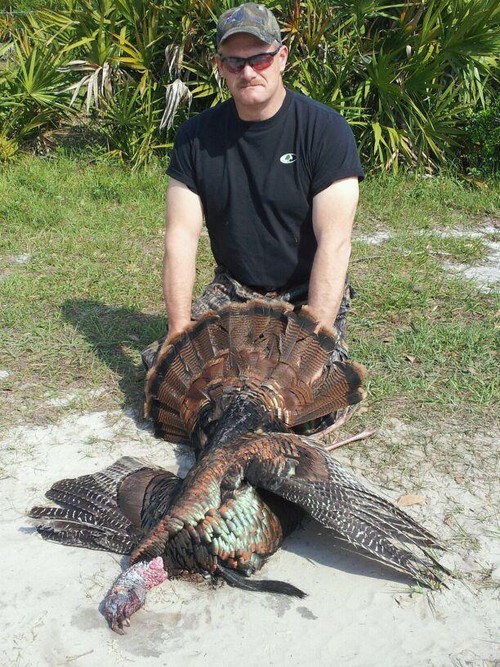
(80, 290)
(426, 335)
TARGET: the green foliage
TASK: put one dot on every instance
(403, 73)
(21, 6)
(8, 149)
(483, 132)
(130, 124)
(31, 100)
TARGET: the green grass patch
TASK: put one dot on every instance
(80, 279)
(427, 336)
(424, 203)
(80, 290)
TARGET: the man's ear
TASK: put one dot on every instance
(283, 57)
(218, 64)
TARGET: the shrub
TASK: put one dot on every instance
(483, 135)
(403, 73)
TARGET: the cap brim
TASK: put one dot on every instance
(264, 37)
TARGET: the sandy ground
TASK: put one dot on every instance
(357, 612)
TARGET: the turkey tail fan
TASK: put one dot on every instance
(110, 510)
(298, 470)
(338, 386)
(237, 580)
(281, 353)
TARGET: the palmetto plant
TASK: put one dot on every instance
(130, 122)
(403, 73)
(31, 91)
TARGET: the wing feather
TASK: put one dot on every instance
(305, 474)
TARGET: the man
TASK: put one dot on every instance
(274, 175)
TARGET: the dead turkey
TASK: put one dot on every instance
(234, 384)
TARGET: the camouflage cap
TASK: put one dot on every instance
(251, 18)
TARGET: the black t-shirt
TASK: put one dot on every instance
(257, 180)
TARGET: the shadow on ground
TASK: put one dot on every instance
(326, 548)
(117, 335)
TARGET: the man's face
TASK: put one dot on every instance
(249, 87)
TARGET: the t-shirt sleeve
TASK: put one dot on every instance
(335, 156)
(182, 163)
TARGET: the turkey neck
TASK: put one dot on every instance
(246, 413)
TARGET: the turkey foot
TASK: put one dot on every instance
(128, 593)
(367, 433)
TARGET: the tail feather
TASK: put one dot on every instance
(301, 329)
(338, 386)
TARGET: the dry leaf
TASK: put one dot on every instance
(409, 358)
(410, 499)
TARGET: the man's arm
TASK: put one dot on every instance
(184, 223)
(333, 215)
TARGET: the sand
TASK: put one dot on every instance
(357, 613)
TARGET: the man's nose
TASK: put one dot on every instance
(247, 72)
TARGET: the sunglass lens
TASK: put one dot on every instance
(234, 65)
(261, 61)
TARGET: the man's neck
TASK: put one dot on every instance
(255, 113)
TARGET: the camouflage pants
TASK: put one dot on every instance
(225, 289)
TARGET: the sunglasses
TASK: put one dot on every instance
(258, 62)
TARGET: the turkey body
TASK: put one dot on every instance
(234, 385)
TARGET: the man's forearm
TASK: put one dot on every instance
(178, 283)
(179, 271)
(184, 222)
(333, 215)
(327, 282)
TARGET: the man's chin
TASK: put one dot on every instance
(252, 93)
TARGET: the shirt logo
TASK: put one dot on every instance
(288, 158)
